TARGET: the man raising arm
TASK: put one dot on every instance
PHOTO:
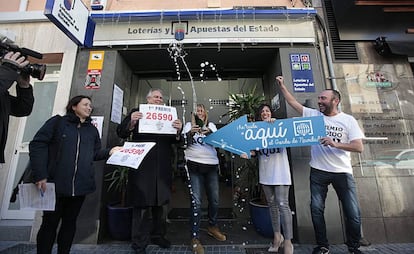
(331, 164)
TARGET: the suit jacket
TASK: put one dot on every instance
(150, 184)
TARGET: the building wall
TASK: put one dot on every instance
(116, 5)
(45, 38)
(387, 206)
(300, 157)
(9, 5)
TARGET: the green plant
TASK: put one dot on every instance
(247, 184)
(118, 181)
(244, 103)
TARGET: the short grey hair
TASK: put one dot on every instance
(153, 90)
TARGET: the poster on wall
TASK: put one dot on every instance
(117, 103)
(95, 65)
(97, 121)
(302, 76)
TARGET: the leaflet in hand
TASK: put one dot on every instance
(131, 155)
(32, 198)
(157, 119)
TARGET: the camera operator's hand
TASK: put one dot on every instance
(23, 80)
(15, 59)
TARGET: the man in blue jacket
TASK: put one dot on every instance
(19, 105)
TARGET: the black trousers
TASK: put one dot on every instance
(147, 222)
(66, 212)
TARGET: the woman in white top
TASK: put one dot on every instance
(202, 165)
(274, 175)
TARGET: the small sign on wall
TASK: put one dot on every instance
(95, 65)
(98, 4)
(97, 121)
(302, 76)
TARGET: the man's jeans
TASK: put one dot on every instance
(203, 176)
(344, 186)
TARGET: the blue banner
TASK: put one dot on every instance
(241, 136)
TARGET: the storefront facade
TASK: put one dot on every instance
(248, 46)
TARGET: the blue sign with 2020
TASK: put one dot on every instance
(241, 136)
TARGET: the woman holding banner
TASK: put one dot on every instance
(274, 175)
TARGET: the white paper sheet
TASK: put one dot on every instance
(31, 198)
(131, 154)
(157, 119)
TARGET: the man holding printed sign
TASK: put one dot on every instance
(149, 187)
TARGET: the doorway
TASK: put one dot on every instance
(214, 94)
(236, 71)
(44, 92)
(205, 74)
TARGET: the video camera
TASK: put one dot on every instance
(35, 70)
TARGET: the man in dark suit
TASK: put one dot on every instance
(149, 187)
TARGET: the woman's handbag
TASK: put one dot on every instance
(27, 177)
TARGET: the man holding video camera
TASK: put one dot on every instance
(19, 105)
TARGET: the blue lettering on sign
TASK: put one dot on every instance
(241, 136)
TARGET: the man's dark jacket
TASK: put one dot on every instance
(150, 184)
(66, 157)
(20, 105)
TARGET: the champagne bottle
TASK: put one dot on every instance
(198, 121)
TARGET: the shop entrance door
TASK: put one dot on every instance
(44, 93)
(214, 94)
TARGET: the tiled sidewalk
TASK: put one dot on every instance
(29, 248)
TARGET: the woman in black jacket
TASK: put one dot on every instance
(62, 152)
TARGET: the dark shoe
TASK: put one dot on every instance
(162, 242)
(320, 250)
(354, 251)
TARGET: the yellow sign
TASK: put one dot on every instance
(96, 59)
(95, 64)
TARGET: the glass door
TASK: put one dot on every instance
(44, 93)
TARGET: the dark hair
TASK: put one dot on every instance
(336, 94)
(257, 116)
(75, 101)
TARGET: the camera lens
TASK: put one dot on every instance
(35, 70)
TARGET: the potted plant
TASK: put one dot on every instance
(119, 215)
(245, 103)
(247, 187)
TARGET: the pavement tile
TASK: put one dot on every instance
(124, 248)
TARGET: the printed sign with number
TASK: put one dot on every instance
(131, 155)
(157, 119)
